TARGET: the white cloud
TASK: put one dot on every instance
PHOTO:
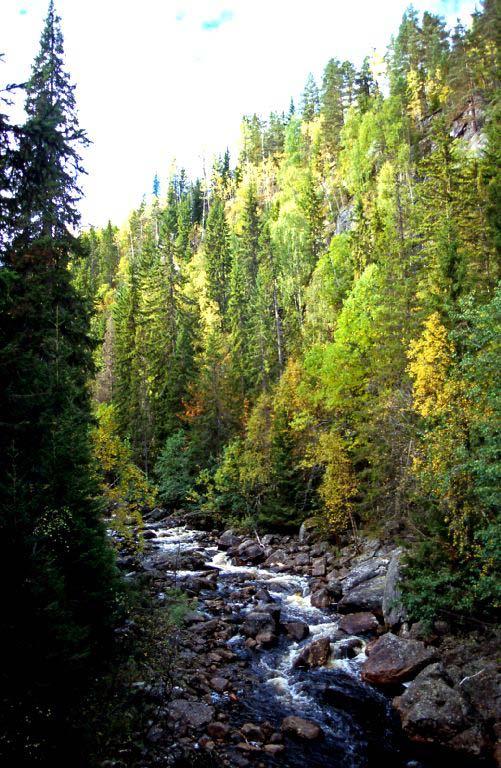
(162, 79)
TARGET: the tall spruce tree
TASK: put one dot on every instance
(62, 584)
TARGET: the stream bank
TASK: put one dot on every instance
(285, 659)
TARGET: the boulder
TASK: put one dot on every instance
(347, 648)
(316, 654)
(321, 599)
(308, 527)
(302, 559)
(303, 729)
(257, 622)
(228, 539)
(393, 660)
(363, 623)
(318, 567)
(394, 612)
(366, 570)
(149, 534)
(278, 557)
(367, 596)
(297, 630)
(250, 551)
(430, 709)
(194, 713)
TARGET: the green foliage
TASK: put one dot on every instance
(174, 470)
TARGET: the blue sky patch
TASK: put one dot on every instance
(223, 18)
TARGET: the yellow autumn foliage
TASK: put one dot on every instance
(430, 358)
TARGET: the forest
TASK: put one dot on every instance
(307, 332)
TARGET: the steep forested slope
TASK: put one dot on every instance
(313, 332)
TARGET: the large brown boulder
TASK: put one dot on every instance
(363, 623)
(393, 660)
(316, 654)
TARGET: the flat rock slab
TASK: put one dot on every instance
(303, 729)
(393, 660)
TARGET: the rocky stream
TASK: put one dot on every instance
(298, 656)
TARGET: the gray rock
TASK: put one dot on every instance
(394, 612)
(278, 557)
(430, 709)
(228, 539)
(257, 622)
(367, 596)
(318, 567)
(251, 552)
(369, 569)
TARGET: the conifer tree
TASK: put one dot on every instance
(59, 605)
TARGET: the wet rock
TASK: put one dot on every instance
(347, 648)
(393, 660)
(297, 630)
(266, 639)
(363, 623)
(258, 622)
(303, 729)
(367, 596)
(271, 608)
(263, 596)
(321, 599)
(318, 567)
(316, 654)
(430, 709)
(250, 551)
(394, 612)
(252, 732)
(228, 539)
(149, 534)
(278, 557)
(346, 692)
(194, 713)
(302, 559)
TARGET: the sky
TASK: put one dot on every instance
(165, 82)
